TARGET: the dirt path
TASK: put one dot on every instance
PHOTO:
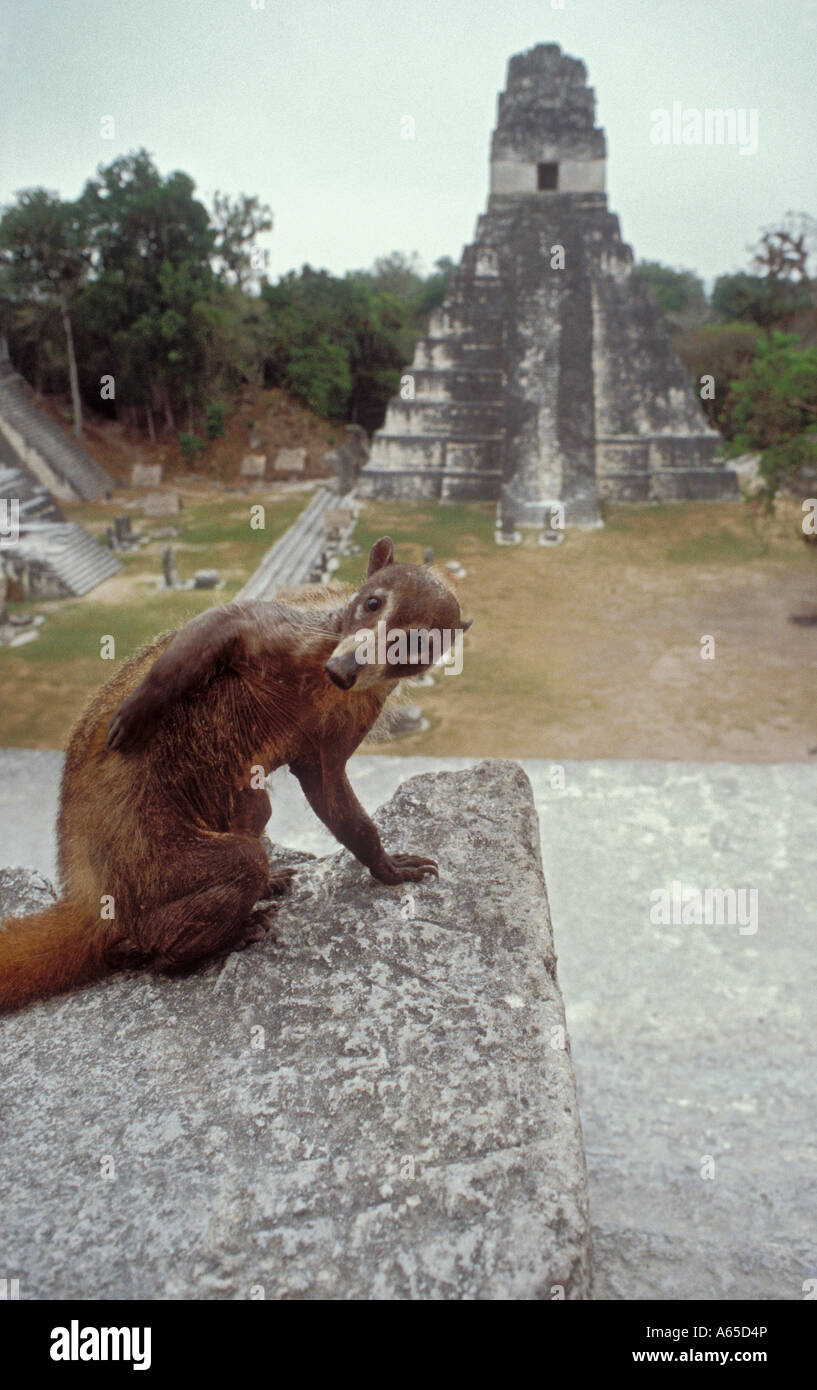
(594, 649)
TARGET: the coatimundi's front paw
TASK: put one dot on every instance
(405, 868)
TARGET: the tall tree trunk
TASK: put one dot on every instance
(151, 426)
(72, 366)
(170, 423)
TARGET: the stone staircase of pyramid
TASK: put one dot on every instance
(442, 436)
(39, 463)
(55, 458)
(69, 559)
(297, 553)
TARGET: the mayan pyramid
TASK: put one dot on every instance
(547, 377)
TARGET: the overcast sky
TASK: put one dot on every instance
(302, 102)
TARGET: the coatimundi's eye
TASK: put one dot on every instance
(373, 603)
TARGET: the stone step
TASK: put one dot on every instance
(296, 553)
(17, 484)
(454, 419)
(68, 552)
(464, 381)
(62, 453)
(688, 484)
(429, 451)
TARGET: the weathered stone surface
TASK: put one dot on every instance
(253, 465)
(348, 460)
(290, 461)
(206, 579)
(162, 504)
(406, 719)
(685, 1041)
(547, 378)
(170, 569)
(337, 518)
(123, 532)
(146, 475)
(747, 468)
(376, 1105)
(24, 890)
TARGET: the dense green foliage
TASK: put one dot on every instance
(774, 407)
(723, 351)
(171, 302)
(758, 299)
(757, 339)
(679, 294)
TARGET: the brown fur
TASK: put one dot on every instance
(157, 810)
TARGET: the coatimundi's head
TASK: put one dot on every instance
(402, 619)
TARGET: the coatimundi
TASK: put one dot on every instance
(161, 814)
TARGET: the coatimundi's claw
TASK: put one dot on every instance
(407, 868)
(279, 883)
(257, 926)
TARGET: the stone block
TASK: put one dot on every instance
(377, 1104)
(406, 719)
(254, 466)
(146, 475)
(337, 518)
(290, 461)
(163, 504)
(206, 579)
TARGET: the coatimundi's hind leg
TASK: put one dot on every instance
(251, 813)
(226, 877)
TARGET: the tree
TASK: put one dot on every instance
(398, 274)
(313, 311)
(782, 253)
(679, 294)
(152, 246)
(782, 257)
(780, 287)
(44, 244)
(756, 299)
(723, 351)
(319, 374)
(432, 292)
(237, 224)
(775, 409)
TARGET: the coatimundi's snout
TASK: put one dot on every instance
(399, 623)
(343, 670)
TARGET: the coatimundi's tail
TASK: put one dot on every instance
(48, 952)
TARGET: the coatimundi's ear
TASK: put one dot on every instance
(465, 626)
(380, 555)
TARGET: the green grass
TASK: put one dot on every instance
(718, 547)
(449, 530)
(74, 630)
(221, 524)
